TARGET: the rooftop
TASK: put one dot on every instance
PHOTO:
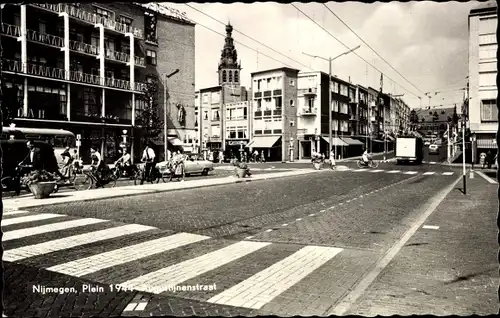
(166, 11)
(276, 69)
(488, 6)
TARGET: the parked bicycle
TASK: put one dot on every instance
(120, 171)
(176, 170)
(370, 164)
(89, 179)
(154, 177)
(13, 182)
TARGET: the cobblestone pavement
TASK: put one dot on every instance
(198, 240)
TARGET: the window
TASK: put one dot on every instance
(258, 85)
(150, 57)
(230, 76)
(224, 76)
(343, 90)
(103, 13)
(215, 114)
(278, 101)
(205, 115)
(42, 27)
(487, 39)
(236, 77)
(487, 79)
(241, 134)
(488, 25)
(489, 110)
(245, 114)
(291, 103)
(335, 105)
(268, 83)
(150, 27)
(292, 82)
(310, 102)
(335, 87)
(125, 20)
(488, 51)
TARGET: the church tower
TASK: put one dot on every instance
(229, 68)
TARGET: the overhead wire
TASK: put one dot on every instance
(247, 36)
(344, 23)
(307, 16)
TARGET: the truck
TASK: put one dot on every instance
(409, 149)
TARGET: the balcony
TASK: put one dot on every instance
(11, 30)
(277, 112)
(258, 113)
(91, 18)
(308, 111)
(277, 92)
(267, 113)
(74, 76)
(267, 94)
(308, 91)
(257, 94)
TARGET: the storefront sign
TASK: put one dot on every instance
(237, 142)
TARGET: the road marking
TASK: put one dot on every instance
(432, 162)
(394, 171)
(375, 171)
(266, 285)
(429, 173)
(430, 227)
(31, 218)
(160, 280)
(485, 177)
(248, 237)
(16, 234)
(312, 214)
(284, 224)
(298, 219)
(141, 306)
(322, 211)
(447, 173)
(72, 241)
(130, 307)
(92, 264)
(411, 172)
(15, 212)
(359, 170)
(269, 230)
(354, 199)
(345, 304)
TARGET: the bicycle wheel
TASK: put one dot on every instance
(360, 164)
(6, 182)
(138, 177)
(83, 182)
(374, 164)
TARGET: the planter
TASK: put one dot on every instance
(42, 190)
(241, 173)
(317, 165)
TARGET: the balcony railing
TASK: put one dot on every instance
(267, 113)
(307, 91)
(258, 113)
(258, 94)
(44, 38)
(83, 47)
(277, 92)
(92, 18)
(12, 30)
(267, 94)
(74, 76)
(308, 111)
(277, 112)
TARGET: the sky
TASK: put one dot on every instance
(426, 42)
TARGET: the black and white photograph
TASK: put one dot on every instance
(249, 159)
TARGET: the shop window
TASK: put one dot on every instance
(241, 135)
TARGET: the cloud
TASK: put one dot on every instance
(425, 41)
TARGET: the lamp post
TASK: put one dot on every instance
(291, 149)
(124, 137)
(165, 93)
(330, 60)
(463, 153)
(448, 146)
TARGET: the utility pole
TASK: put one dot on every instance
(330, 110)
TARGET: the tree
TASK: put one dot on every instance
(413, 118)
(149, 116)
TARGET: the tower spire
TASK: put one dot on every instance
(229, 67)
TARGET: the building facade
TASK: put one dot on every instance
(273, 124)
(483, 90)
(84, 68)
(237, 127)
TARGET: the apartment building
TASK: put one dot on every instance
(83, 67)
(237, 127)
(273, 124)
(483, 90)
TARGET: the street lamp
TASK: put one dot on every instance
(124, 137)
(165, 93)
(330, 60)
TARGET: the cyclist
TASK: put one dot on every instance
(97, 163)
(125, 162)
(148, 157)
(365, 157)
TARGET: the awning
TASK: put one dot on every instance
(263, 142)
(486, 143)
(376, 140)
(352, 142)
(39, 131)
(175, 141)
(336, 141)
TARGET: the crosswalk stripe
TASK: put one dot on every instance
(394, 171)
(374, 171)
(127, 254)
(429, 173)
(16, 234)
(264, 286)
(15, 212)
(411, 172)
(165, 278)
(447, 173)
(31, 218)
(359, 170)
(72, 241)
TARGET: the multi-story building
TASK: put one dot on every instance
(211, 126)
(273, 124)
(483, 90)
(83, 67)
(236, 126)
(433, 121)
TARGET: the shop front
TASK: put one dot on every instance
(235, 148)
(269, 145)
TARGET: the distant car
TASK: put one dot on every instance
(192, 165)
(434, 149)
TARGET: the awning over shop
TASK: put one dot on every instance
(352, 142)
(263, 142)
(175, 141)
(486, 143)
(336, 141)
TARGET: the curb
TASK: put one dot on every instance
(153, 191)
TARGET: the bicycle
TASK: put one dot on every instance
(14, 182)
(154, 176)
(176, 170)
(90, 179)
(371, 164)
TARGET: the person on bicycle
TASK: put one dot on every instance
(125, 162)
(97, 163)
(148, 157)
(365, 157)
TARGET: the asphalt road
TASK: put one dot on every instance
(355, 215)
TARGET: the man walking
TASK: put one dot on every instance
(148, 157)
(332, 159)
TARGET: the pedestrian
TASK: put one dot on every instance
(489, 159)
(482, 160)
(332, 159)
(211, 156)
(148, 157)
(262, 156)
(221, 158)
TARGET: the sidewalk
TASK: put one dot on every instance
(98, 194)
(450, 265)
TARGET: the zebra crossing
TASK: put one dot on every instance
(428, 173)
(253, 290)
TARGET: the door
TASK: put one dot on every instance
(306, 149)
